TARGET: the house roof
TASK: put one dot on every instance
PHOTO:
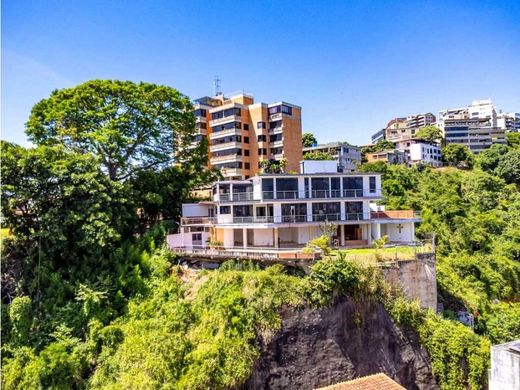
(371, 382)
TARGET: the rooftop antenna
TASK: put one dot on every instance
(216, 86)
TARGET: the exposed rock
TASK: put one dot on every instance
(344, 341)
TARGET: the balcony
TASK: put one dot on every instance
(321, 194)
(276, 130)
(232, 172)
(226, 158)
(276, 144)
(275, 117)
(235, 197)
(225, 133)
(224, 146)
(226, 119)
(302, 218)
(188, 221)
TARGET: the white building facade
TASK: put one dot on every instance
(418, 151)
(288, 210)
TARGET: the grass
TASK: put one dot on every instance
(391, 253)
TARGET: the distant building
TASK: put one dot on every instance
(347, 156)
(505, 366)
(379, 136)
(510, 121)
(243, 133)
(418, 151)
(389, 156)
(475, 126)
(405, 128)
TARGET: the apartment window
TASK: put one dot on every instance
(294, 212)
(354, 211)
(326, 211)
(262, 151)
(262, 138)
(196, 237)
(275, 124)
(275, 137)
(353, 186)
(334, 186)
(372, 184)
(246, 140)
(246, 152)
(268, 188)
(200, 112)
(286, 188)
(200, 125)
(246, 165)
(246, 127)
(261, 125)
(286, 109)
(199, 137)
(225, 209)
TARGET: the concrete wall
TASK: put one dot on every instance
(263, 237)
(417, 278)
(318, 166)
(305, 234)
(406, 235)
(505, 367)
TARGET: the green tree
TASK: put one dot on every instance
(128, 126)
(457, 155)
(513, 140)
(489, 159)
(20, 317)
(308, 140)
(509, 167)
(429, 133)
(317, 155)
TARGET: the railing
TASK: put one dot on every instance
(229, 118)
(276, 130)
(198, 220)
(225, 145)
(235, 197)
(301, 218)
(255, 254)
(395, 214)
(225, 133)
(321, 194)
(232, 157)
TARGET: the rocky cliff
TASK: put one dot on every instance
(344, 341)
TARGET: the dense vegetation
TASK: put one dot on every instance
(91, 299)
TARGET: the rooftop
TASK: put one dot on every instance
(372, 382)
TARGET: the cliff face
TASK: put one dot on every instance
(347, 340)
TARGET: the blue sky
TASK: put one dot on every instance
(351, 65)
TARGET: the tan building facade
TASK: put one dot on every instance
(242, 133)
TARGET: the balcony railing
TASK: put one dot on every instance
(235, 197)
(227, 157)
(230, 118)
(276, 130)
(320, 194)
(225, 133)
(197, 220)
(225, 146)
(302, 218)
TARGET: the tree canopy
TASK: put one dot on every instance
(128, 126)
(308, 140)
(318, 155)
(457, 155)
(429, 133)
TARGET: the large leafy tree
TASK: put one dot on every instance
(128, 126)
(308, 140)
(489, 159)
(457, 155)
(509, 167)
(429, 133)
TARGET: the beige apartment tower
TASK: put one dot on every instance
(242, 133)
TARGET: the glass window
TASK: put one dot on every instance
(335, 187)
(320, 187)
(260, 125)
(372, 184)
(326, 211)
(246, 166)
(268, 188)
(246, 152)
(353, 186)
(354, 211)
(262, 138)
(225, 209)
(286, 188)
(246, 140)
(246, 126)
(294, 212)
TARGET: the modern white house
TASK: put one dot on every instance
(420, 152)
(288, 210)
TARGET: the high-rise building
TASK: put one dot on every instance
(405, 128)
(474, 126)
(242, 133)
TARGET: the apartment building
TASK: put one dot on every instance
(378, 136)
(347, 156)
(405, 128)
(509, 121)
(242, 133)
(474, 126)
(418, 151)
(288, 210)
(388, 156)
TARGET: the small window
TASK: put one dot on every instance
(225, 209)
(261, 125)
(372, 184)
(196, 237)
(246, 152)
(246, 165)
(262, 138)
(246, 140)
(246, 127)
